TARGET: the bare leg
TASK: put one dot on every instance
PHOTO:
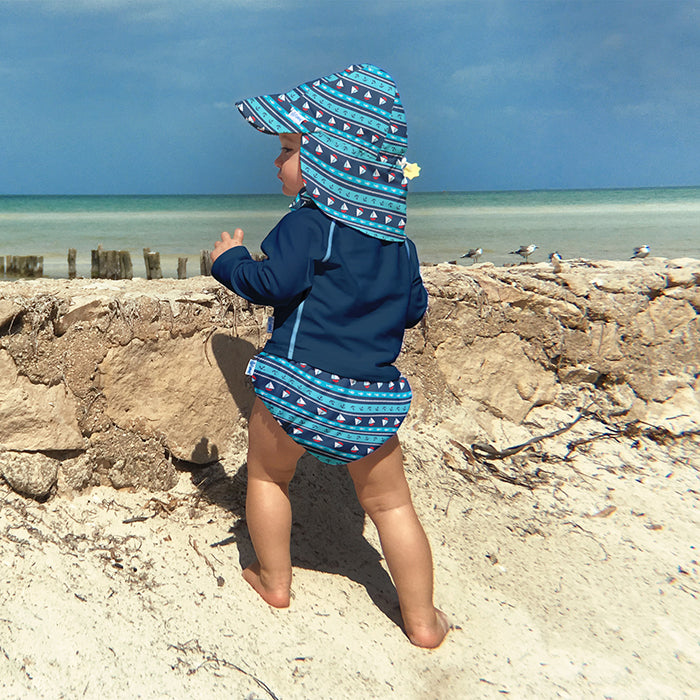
(382, 489)
(272, 458)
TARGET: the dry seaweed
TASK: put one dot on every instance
(211, 661)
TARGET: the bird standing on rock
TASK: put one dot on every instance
(525, 250)
(474, 253)
(640, 252)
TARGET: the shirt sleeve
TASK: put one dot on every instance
(418, 299)
(291, 248)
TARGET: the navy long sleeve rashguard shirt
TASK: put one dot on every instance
(342, 299)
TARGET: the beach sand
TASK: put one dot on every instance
(586, 586)
(570, 573)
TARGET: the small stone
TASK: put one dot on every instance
(29, 473)
(75, 474)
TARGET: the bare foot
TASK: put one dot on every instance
(276, 597)
(433, 636)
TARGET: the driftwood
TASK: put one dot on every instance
(25, 266)
(152, 260)
(485, 451)
(109, 264)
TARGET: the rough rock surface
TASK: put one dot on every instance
(29, 473)
(35, 416)
(111, 381)
(622, 337)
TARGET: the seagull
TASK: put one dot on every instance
(640, 252)
(525, 250)
(473, 253)
(556, 260)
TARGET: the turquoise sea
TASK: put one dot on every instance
(591, 224)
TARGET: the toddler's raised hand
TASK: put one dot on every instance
(227, 242)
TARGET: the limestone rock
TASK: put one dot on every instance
(9, 310)
(579, 374)
(75, 474)
(681, 411)
(497, 373)
(576, 282)
(128, 374)
(684, 272)
(663, 319)
(190, 391)
(83, 311)
(30, 473)
(35, 416)
(124, 459)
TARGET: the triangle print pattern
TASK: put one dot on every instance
(335, 418)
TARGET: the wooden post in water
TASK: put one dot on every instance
(127, 268)
(95, 262)
(25, 265)
(152, 260)
(71, 263)
(111, 264)
(2, 265)
(182, 268)
(205, 262)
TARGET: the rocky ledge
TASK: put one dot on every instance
(124, 382)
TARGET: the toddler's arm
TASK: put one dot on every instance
(287, 272)
(418, 302)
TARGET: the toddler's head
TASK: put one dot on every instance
(352, 137)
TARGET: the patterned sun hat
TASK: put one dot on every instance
(353, 143)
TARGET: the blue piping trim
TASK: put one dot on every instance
(330, 242)
(300, 308)
(293, 339)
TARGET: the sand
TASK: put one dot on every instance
(584, 586)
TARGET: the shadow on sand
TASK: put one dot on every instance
(327, 519)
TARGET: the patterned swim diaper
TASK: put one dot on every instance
(336, 419)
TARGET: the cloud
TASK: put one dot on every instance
(680, 107)
(502, 72)
(145, 8)
(535, 114)
(142, 11)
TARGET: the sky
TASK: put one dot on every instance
(136, 96)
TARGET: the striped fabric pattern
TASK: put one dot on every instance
(336, 419)
(354, 133)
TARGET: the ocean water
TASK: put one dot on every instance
(592, 224)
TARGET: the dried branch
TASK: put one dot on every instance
(485, 451)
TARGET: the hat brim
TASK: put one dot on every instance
(272, 114)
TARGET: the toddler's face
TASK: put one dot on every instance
(288, 163)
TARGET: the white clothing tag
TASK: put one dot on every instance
(296, 116)
(251, 367)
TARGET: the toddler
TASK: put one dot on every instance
(344, 283)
